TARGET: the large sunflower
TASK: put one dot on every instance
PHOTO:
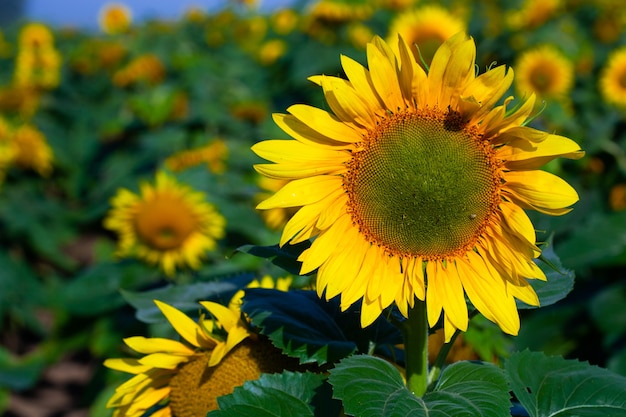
(415, 185)
(185, 378)
(168, 224)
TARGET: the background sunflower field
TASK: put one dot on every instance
(88, 114)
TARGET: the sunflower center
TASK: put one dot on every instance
(541, 80)
(165, 222)
(423, 185)
(196, 386)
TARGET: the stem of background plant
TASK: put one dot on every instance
(415, 334)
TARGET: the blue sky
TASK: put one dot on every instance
(84, 13)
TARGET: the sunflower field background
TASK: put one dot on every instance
(95, 124)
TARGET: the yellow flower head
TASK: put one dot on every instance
(613, 79)
(35, 36)
(284, 21)
(425, 29)
(337, 11)
(544, 71)
(38, 68)
(146, 68)
(167, 224)
(32, 150)
(533, 13)
(185, 377)
(213, 154)
(414, 185)
(115, 18)
(270, 51)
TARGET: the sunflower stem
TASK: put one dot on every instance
(415, 334)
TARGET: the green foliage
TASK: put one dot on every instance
(288, 394)
(553, 386)
(312, 330)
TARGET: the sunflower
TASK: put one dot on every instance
(115, 18)
(146, 68)
(35, 36)
(214, 154)
(544, 71)
(533, 14)
(185, 378)
(425, 29)
(613, 79)
(32, 150)
(338, 11)
(415, 185)
(167, 224)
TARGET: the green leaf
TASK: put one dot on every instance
(560, 280)
(369, 386)
(311, 329)
(553, 386)
(470, 389)
(372, 387)
(286, 394)
(285, 257)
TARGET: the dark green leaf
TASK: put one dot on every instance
(553, 386)
(372, 387)
(287, 394)
(470, 389)
(285, 257)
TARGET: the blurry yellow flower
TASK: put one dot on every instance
(23, 101)
(115, 18)
(271, 50)
(544, 71)
(39, 68)
(613, 79)
(213, 154)
(168, 223)
(359, 34)
(609, 26)
(424, 28)
(336, 11)
(146, 68)
(184, 378)
(35, 35)
(398, 5)
(32, 150)
(195, 14)
(532, 14)
(7, 150)
(284, 21)
(413, 186)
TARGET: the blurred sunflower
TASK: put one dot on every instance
(613, 79)
(425, 28)
(185, 378)
(115, 18)
(213, 154)
(337, 11)
(168, 224)
(544, 71)
(415, 185)
(146, 68)
(532, 14)
(35, 36)
(32, 150)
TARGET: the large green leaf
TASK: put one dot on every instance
(556, 387)
(470, 389)
(287, 394)
(285, 257)
(311, 329)
(372, 387)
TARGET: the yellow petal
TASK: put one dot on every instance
(132, 366)
(323, 246)
(157, 344)
(346, 102)
(361, 81)
(163, 360)
(226, 318)
(485, 90)
(518, 222)
(289, 151)
(302, 191)
(520, 154)
(384, 78)
(540, 190)
(184, 326)
(303, 133)
(325, 123)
